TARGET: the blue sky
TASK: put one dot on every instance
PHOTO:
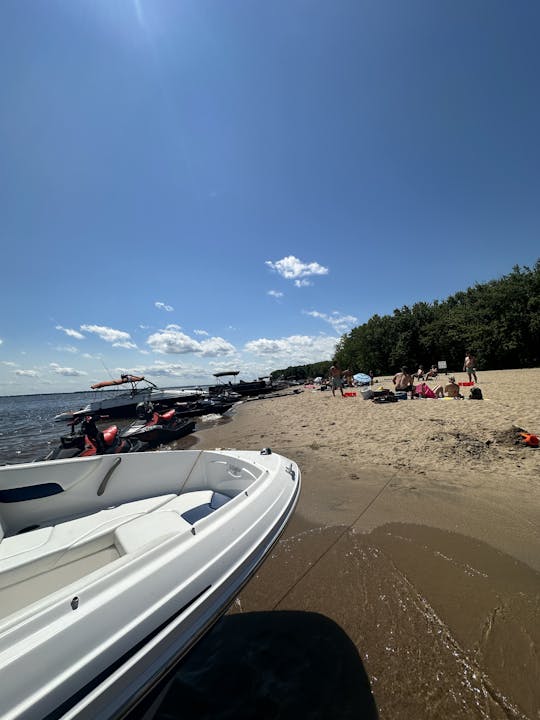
(191, 186)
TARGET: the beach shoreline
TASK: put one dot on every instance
(426, 505)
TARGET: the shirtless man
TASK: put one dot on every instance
(403, 380)
(335, 379)
(348, 378)
(469, 366)
(452, 389)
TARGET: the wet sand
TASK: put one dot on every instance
(417, 535)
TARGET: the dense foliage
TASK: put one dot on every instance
(303, 372)
(498, 321)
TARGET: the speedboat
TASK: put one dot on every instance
(112, 567)
(255, 387)
(123, 402)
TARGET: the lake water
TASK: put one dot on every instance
(27, 428)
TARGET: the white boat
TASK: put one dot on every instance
(111, 568)
(123, 402)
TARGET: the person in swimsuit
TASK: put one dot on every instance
(403, 380)
(452, 389)
(335, 379)
(469, 366)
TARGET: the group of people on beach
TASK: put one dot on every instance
(404, 381)
(339, 378)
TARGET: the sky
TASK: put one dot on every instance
(192, 186)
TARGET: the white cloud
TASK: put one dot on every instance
(163, 306)
(66, 348)
(72, 333)
(275, 293)
(118, 338)
(67, 371)
(216, 346)
(172, 341)
(9, 363)
(200, 332)
(126, 344)
(26, 373)
(339, 322)
(1, 341)
(163, 369)
(293, 350)
(291, 268)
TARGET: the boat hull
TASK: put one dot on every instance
(105, 639)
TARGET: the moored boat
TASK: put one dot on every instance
(241, 387)
(123, 402)
(111, 568)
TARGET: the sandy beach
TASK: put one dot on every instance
(417, 535)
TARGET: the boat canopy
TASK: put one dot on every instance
(121, 381)
(227, 372)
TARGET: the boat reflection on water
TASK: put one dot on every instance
(283, 664)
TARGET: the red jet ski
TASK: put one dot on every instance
(92, 441)
(156, 428)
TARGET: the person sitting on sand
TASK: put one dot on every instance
(452, 389)
(348, 378)
(432, 373)
(419, 374)
(335, 379)
(403, 380)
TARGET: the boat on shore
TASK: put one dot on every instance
(241, 387)
(207, 406)
(112, 567)
(124, 401)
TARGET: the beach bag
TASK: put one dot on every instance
(390, 397)
(475, 394)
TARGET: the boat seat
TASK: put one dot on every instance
(146, 530)
(42, 549)
(193, 506)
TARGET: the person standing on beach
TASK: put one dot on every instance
(335, 379)
(469, 366)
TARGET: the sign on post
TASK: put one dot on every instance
(442, 366)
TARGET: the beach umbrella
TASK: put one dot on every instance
(362, 378)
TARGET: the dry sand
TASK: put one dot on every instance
(418, 535)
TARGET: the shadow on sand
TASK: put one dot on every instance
(267, 665)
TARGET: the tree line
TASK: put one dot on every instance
(497, 321)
